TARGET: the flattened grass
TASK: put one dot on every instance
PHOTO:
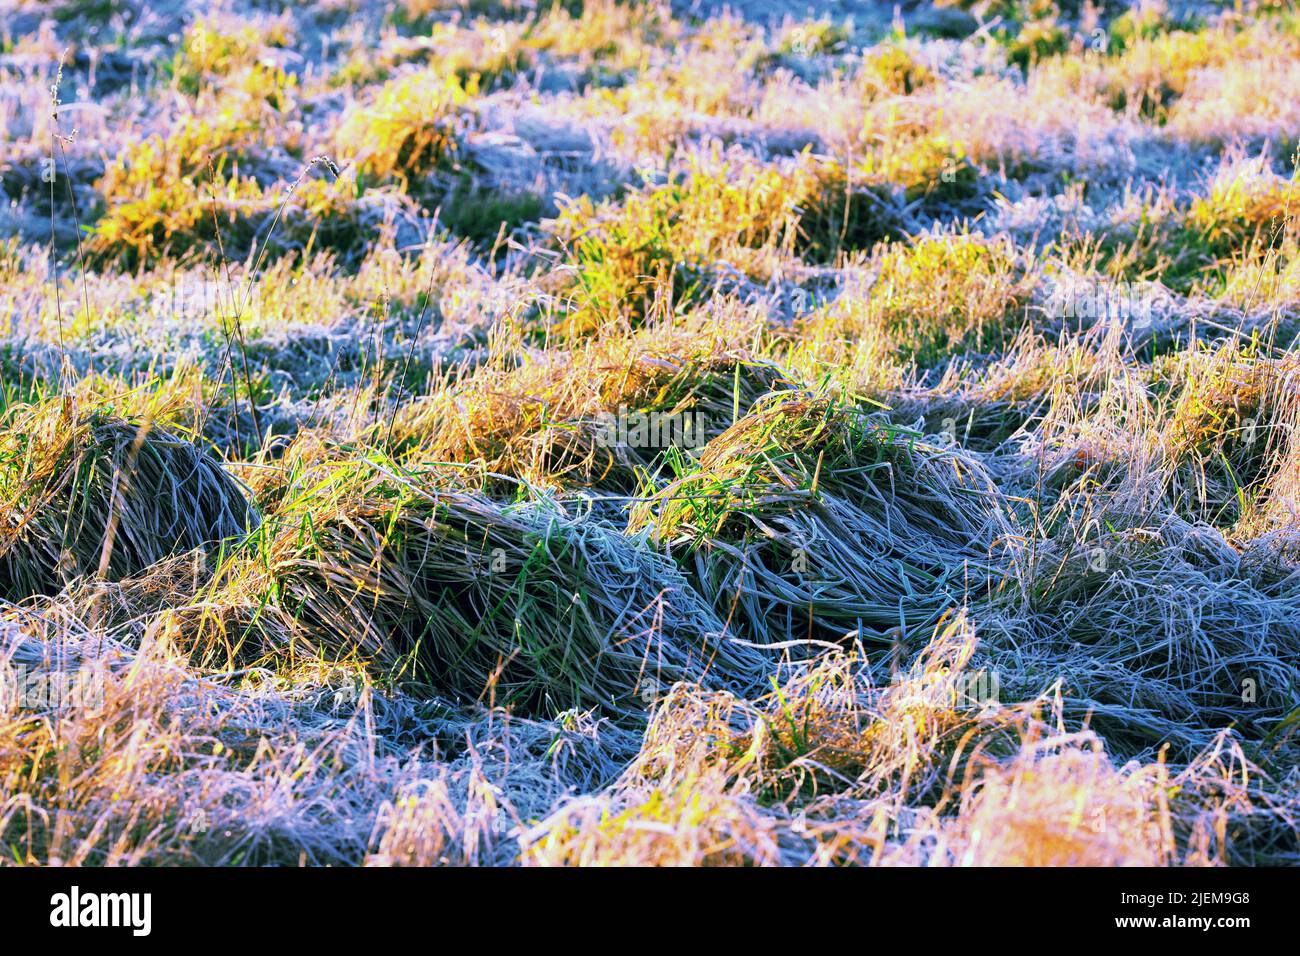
(102, 496)
(518, 606)
(812, 519)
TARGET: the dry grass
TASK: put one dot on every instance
(490, 433)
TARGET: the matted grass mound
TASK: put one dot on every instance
(102, 495)
(602, 417)
(1163, 634)
(521, 605)
(811, 518)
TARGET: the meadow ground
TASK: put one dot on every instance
(493, 432)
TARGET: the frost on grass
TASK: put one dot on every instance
(586, 434)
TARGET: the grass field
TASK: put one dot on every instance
(490, 432)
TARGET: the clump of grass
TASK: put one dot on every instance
(790, 430)
(826, 730)
(154, 189)
(893, 71)
(209, 53)
(148, 762)
(829, 769)
(670, 235)
(945, 293)
(798, 45)
(1247, 205)
(982, 408)
(1030, 29)
(1260, 276)
(520, 606)
(853, 209)
(1229, 413)
(193, 191)
(469, 810)
(240, 217)
(556, 423)
(1150, 75)
(97, 495)
(1061, 801)
(930, 169)
(607, 37)
(840, 343)
(224, 141)
(1161, 632)
(813, 38)
(409, 129)
(486, 54)
(812, 520)
(169, 217)
(1037, 40)
(1144, 22)
(1245, 214)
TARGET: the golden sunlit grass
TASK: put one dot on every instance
(409, 129)
(671, 235)
(555, 422)
(496, 433)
